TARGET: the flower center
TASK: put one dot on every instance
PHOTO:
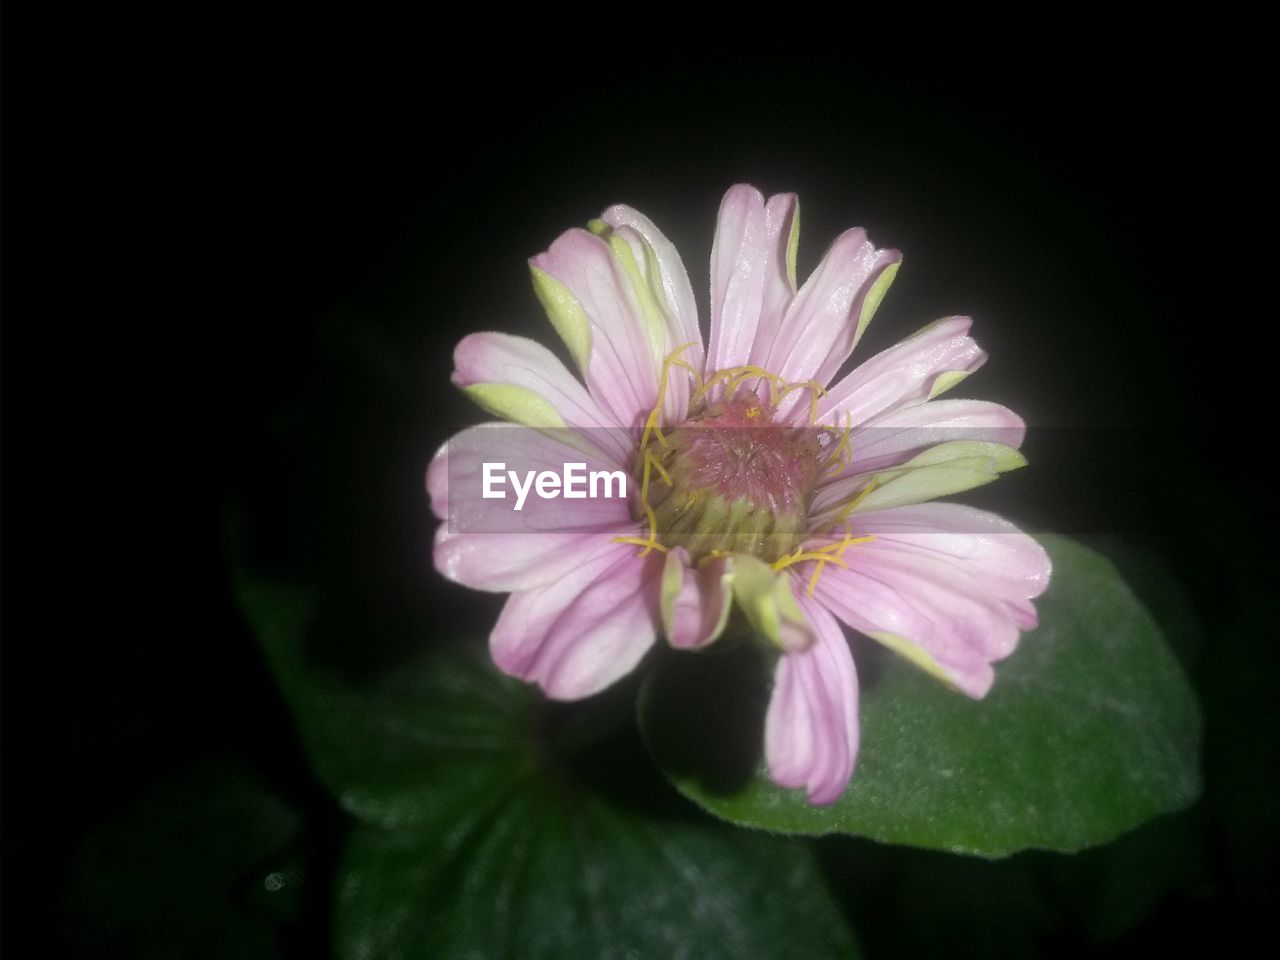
(730, 479)
(733, 481)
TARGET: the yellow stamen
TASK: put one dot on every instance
(848, 541)
(851, 541)
(814, 555)
(843, 449)
(829, 553)
(652, 426)
(802, 555)
(750, 372)
(673, 361)
(651, 422)
(653, 521)
(817, 391)
(852, 505)
(734, 377)
(813, 580)
(644, 480)
(657, 465)
(648, 544)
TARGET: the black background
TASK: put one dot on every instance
(235, 281)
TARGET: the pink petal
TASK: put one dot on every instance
(811, 729)
(621, 373)
(739, 261)
(825, 319)
(695, 614)
(781, 214)
(505, 563)
(894, 438)
(587, 630)
(941, 614)
(482, 358)
(907, 372)
(674, 278)
(1007, 563)
(675, 394)
(438, 482)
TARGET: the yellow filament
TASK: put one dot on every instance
(802, 555)
(843, 449)
(752, 372)
(653, 523)
(651, 461)
(685, 365)
(657, 465)
(817, 392)
(652, 427)
(648, 544)
(733, 378)
(852, 505)
(651, 422)
(830, 553)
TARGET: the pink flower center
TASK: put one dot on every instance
(739, 483)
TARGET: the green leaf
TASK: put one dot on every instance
(476, 836)
(1091, 729)
(415, 751)
(541, 880)
(195, 867)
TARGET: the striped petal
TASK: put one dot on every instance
(782, 226)
(830, 312)
(893, 439)
(585, 631)
(922, 366)
(672, 276)
(739, 264)
(940, 471)
(930, 609)
(695, 600)
(640, 265)
(1007, 563)
(591, 302)
(521, 380)
(811, 728)
(502, 563)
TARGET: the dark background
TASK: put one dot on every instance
(232, 288)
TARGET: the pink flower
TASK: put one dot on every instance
(757, 487)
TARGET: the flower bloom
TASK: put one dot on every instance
(759, 487)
